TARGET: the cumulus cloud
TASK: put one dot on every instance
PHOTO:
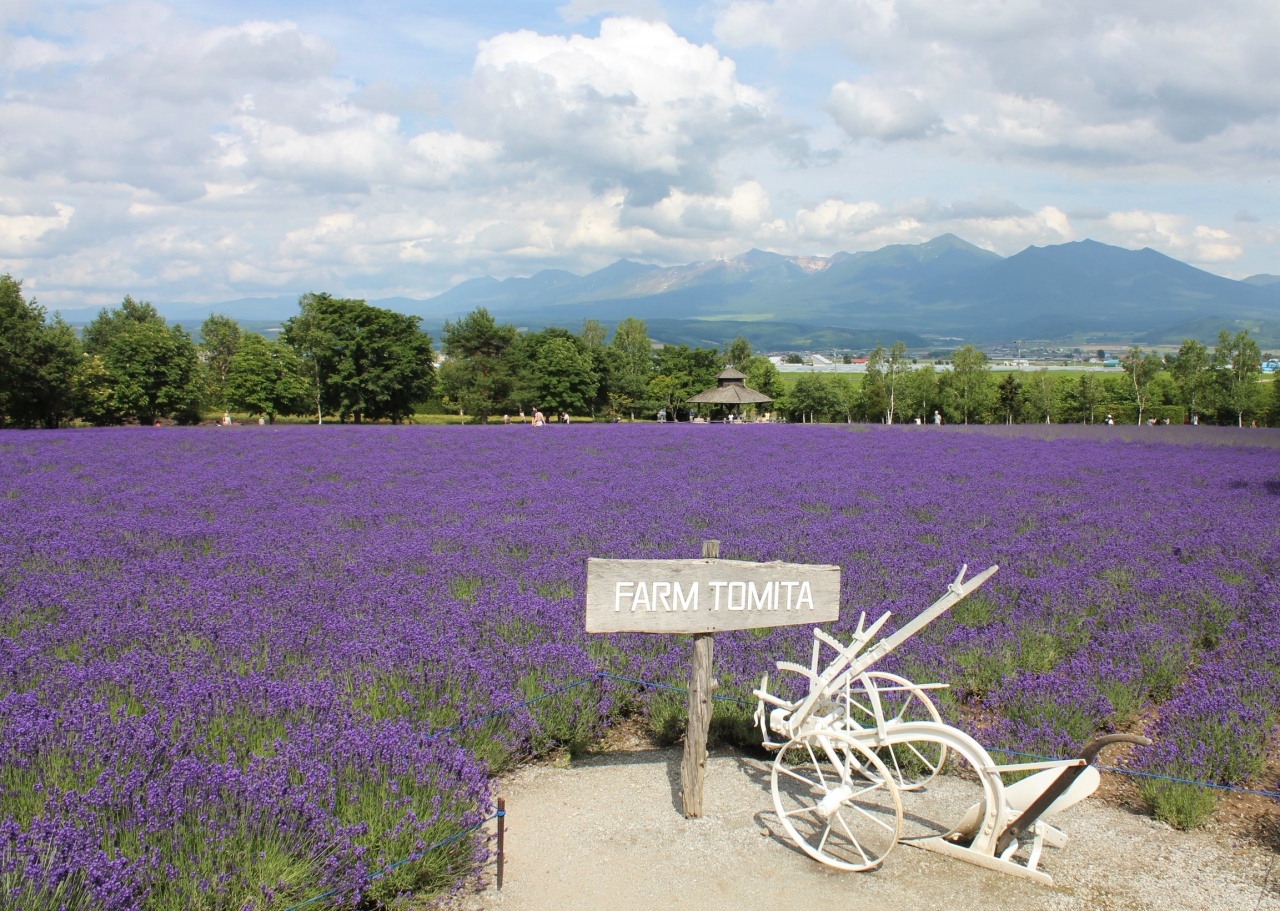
(1173, 235)
(997, 225)
(20, 232)
(1121, 83)
(639, 106)
(866, 109)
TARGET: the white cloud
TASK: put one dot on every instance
(578, 10)
(1172, 235)
(638, 106)
(868, 110)
(839, 225)
(20, 233)
(1118, 84)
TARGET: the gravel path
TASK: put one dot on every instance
(606, 833)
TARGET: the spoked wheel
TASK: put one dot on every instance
(913, 764)
(836, 800)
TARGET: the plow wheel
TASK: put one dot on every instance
(837, 800)
(898, 701)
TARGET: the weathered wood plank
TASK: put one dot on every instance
(693, 765)
(705, 596)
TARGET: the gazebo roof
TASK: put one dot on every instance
(734, 394)
(730, 390)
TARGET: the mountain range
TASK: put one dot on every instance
(945, 288)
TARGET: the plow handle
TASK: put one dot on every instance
(1059, 786)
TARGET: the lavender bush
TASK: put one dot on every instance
(228, 657)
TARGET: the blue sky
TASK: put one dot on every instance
(188, 151)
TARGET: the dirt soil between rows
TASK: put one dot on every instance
(606, 832)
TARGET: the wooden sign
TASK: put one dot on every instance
(707, 596)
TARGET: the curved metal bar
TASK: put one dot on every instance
(1059, 786)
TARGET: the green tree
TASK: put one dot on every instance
(219, 339)
(738, 353)
(1141, 370)
(38, 362)
(631, 366)
(92, 394)
(895, 364)
(558, 372)
(1192, 369)
(1043, 394)
(967, 386)
(848, 397)
(1086, 397)
(267, 378)
(1239, 371)
(99, 334)
(763, 377)
(479, 374)
(683, 372)
(307, 336)
(593, 334)
(874, 399)
(1009, 397)
(592, 337)
(813, 398)
(154, 371)
(922, 394)
(366, 362)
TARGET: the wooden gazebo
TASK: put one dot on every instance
(730, 391)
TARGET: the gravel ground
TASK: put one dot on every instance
(606, 833)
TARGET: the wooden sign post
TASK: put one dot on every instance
(703, 597)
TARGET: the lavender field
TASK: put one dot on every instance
(227, 657)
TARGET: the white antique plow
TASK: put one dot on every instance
(861, 740)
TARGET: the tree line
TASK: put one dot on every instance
(1195, 384)
(336, 357)
(343, 359)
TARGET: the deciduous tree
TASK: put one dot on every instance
(267, 378)
(558, 373)
(367, 362)
(1192, 369)
(968, 384)
(1141, 369)
(38, 362)
(153, 370)
(219, 340)
(1239, 369)
(631, 365)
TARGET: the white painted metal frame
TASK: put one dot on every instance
(838, 760)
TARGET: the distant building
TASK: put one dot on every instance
(820, 361)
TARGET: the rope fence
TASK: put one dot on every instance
(500, 813)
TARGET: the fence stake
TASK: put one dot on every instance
(502, 828)
(693, 767)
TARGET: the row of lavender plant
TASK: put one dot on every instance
(228, 655)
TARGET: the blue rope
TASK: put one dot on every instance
(667, 686)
